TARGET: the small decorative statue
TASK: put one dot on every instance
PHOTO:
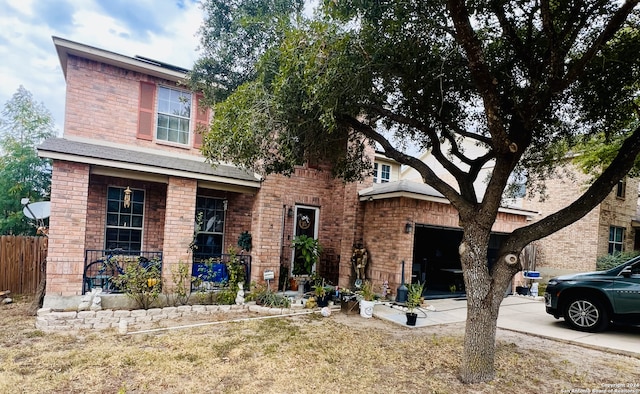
(385, 288)
(96, 302)
(240, 294)
(359, 261)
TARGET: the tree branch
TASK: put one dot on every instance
(597, 192)
(428, 176)
(483, 79)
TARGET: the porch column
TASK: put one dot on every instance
(67, 228)
(178, 225)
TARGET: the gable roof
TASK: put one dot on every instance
(154, 162)
(420, 191)
(66, 48)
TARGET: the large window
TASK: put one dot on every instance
(616, 239)
(125, 216)
(381, 173)
(174, 113)
(210, 215)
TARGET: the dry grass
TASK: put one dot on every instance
(339, 354)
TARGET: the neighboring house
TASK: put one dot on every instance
(128, 175)
(609, 228)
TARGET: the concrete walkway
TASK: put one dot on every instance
(522, 314)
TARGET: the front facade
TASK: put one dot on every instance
(128, 178)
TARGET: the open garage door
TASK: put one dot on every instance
(436, 261)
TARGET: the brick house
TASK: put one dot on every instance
(610, 227)
(127, 174)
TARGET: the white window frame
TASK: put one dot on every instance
(160, 112)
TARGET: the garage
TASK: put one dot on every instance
(436, 261)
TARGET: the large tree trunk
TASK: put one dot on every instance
(485, 292)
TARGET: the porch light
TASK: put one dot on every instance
(408, 227)
(290, 212)
(127, 198)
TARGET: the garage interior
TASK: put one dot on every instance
(436, 261)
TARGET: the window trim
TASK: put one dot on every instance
(191, 118)
(224, 222)
(130, 228)
(612, 243)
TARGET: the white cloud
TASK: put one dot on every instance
(28, 56)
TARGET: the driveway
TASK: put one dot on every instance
(522, 314)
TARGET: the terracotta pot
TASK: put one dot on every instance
(293, 284)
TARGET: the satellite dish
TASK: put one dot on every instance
(37, 210)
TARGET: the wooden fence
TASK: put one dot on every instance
(21, 260)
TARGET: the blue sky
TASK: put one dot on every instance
(164, 30)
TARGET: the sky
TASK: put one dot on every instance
(163, 30)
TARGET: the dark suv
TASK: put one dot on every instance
(590, 301)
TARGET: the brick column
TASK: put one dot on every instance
(178, 225)
(67, 228)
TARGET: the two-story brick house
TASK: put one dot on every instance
(127, 174)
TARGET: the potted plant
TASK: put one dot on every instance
(322, 298)
(308, 251)
(414, 300)
(366, 303)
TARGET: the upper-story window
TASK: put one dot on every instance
(381, 173)
(171, 115)
(621, 188)
(174, 115)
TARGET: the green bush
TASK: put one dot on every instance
(225, 297)
(141, 284)
(613, 260)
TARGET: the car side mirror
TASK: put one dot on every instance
(626, 272)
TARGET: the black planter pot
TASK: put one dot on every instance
(323, 301)
(411, 319)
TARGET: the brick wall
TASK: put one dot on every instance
(272, 228)
(65, 260)
(618, 212)
(576, 247)
(154, 209)
(178, 225)
(102, 104)
(388, 243)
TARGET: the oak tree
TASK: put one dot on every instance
(524, 80)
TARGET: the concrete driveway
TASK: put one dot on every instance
(521, 314)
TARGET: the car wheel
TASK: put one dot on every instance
(586, 314)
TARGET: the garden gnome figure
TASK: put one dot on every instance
(240, 294)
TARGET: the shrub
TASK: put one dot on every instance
(613, 260)
(142, 284)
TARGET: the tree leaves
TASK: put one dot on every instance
(24, 124)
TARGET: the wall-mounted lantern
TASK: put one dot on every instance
(408, 227)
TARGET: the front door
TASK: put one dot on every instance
(306, 223)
